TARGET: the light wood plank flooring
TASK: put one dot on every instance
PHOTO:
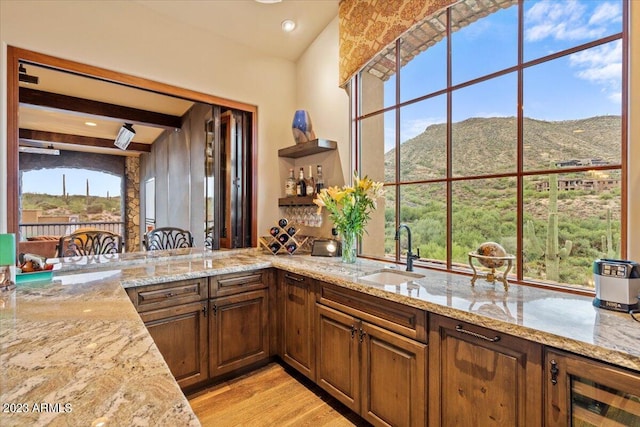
(270, 396)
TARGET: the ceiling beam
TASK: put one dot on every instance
(86, 107)
(52, 137)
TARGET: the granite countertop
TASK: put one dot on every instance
(77, 347)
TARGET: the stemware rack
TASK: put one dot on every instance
(282, 238)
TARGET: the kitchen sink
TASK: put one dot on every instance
(391, 277)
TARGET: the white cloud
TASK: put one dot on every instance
(414, 127)
(568, 20)
(615, 97)
(602, 74)
(606, 12)
(601, 64)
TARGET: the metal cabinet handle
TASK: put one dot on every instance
(460, 329)
(204, 310)
(362, 334)
(170, 294)
(353, 331)
(554, 372)
(215, 309)
(297, 279)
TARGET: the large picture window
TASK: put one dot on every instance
(500, 125)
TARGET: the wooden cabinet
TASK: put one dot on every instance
(238, 322)
(297, 304)
(394, 376)
(180, 333)
(374, 371)
(209, 326)
(175, 314)
(482, 378)
(580, 391)
(338, 356)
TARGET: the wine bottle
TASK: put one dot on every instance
(290, 185)
(291, 247)
(311, 184)
(283, 222)
(283, 237)
(274, 231)
(301, 188)
(319, 179)
(291, 231)
(275, 247)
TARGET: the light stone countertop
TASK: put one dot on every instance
(78, 346)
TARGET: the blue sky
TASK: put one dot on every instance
(49, 181)
(581, 85)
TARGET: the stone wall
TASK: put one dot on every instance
(132, 204)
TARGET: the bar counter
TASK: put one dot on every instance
(74, 351)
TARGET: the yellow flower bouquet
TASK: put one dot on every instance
(350, 209)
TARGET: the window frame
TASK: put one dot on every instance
(520, 174)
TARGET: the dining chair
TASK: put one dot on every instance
(167, 238)
(89, 242)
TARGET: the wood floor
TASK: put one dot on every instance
(270, 396)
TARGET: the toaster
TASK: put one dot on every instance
(328, 247)
(617, 284)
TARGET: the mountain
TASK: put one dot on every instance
(488, 145)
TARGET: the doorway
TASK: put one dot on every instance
(16, 56)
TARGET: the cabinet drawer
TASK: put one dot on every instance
(230, 284)
(168, 294)
(408, 321)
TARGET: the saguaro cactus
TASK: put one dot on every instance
(553, 253)
(607, 240)
(533, 248)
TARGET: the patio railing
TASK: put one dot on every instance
(65, 228)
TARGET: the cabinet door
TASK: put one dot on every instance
(337, 356)
(394, 378)
(482, 378)
(583, 392)
(154, 297)
(239, 327)
(180, 333)
(297, 323)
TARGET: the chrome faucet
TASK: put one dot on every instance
(410, 255)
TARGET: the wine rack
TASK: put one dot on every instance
(282, 238)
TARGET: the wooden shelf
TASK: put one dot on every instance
(296, 201)
(307, 148)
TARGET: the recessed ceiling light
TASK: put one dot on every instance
(268, 1)
(288, 25)
(90, 124)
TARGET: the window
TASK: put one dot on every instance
(500, 125)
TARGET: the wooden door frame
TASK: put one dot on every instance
(15, 55)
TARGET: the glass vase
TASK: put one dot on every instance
(349, 242)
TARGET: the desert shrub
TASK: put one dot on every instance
(95, 208)
(45, 206)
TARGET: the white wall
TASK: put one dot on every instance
(317, 91)
(126, 37)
